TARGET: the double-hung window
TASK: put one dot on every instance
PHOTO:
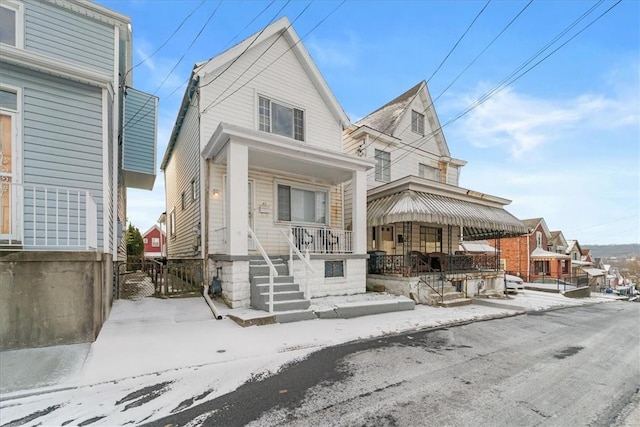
(11, 18)
(280, 119)
(155, 242)
(383, 165)
(417, 122)
(302, 205)
(430, 239)
(429, 172)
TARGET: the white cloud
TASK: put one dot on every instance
(334, 53)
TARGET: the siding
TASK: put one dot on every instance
(181, 169)
(62, 133)
(264, 222)
(139, 132)
(67, 36)
(285, 81)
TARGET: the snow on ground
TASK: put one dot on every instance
(156, 356)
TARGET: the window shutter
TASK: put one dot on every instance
(284, 203)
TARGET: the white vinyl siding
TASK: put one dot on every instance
(429, 172)
(383, 166)
(321, 128)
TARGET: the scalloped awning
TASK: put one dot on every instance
(479, 221)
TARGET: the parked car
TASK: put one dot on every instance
(513, 283)
(552, 281)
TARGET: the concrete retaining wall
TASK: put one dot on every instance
(583, 292)
(53, 298)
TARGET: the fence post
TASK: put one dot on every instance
(165, 278)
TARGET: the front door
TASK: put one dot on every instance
(7, 171)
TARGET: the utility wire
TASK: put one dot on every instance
(247, 48)
(166, 41)
(501, 86)
(211, 15)
(213, 103)
(384, 131)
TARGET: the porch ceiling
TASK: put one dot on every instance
(479, 221)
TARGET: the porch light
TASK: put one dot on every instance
(215, 192)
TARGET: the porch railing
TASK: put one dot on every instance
(304, 258)
(36, 217)
(322, 240)
(415, 265)
(272, 269)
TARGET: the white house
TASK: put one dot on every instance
(417, 214)
(255, 168)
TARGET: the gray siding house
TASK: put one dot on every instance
(73, 136)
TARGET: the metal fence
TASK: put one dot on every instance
(139, 278)
(417, 264)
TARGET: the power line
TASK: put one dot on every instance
(247, 48)
(433, 74)
(501, 86)
(211, 104)
(211, 15)
(166, 41)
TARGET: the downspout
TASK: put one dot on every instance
(528, 261)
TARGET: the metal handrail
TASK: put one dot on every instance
(272, 269)
(293, 249)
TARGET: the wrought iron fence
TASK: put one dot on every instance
(417, 263)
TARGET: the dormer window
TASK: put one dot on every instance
(11, 23)
(417, 122)
(275, 117)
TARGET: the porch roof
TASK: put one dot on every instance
(593, 272)
(542, 255)
(479, 220)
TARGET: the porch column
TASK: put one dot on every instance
(236, 197)
(359, 212)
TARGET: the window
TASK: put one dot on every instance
(11, 23)
(301, 205)
(145, 240)
(429, 172)
(182, 203)
(9, 147)
(193, 190)
(334, 269)
(430, 239)
(417, 122)
(541, 268)
(383, 166)
(539, 239)
(155, 242)
(172, 223)
(280, 119)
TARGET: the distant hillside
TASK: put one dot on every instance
(617, 251)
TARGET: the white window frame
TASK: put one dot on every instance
(16, 153)
(380, 167)
(145, 240)
(194, 194)
(417, 122)
(539, 239)
(304, 187)
(293, 118)
(422, 172)
(172, 223)
(18, 8)
(155, 242)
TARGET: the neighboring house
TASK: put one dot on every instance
(527, 255)
(155, 243)
(574, 250)
(255, 167)
(556, 242)
(586, 255)
(71, 145)
(417, 214)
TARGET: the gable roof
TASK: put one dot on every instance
(281, 27)
(153, 227)
(387, 118)
(531, 223)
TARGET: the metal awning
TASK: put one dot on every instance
(593, 272)
(539, 254)
(479, 221)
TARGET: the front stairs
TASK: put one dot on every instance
(450, 298)
(287, 295)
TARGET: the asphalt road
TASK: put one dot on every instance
(568, 367)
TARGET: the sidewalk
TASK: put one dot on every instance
(154, 356)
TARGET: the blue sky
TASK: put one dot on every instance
(562, 142)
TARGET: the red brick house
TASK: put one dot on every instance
(155, 243)
(528, 256)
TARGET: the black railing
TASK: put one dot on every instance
(418, 263)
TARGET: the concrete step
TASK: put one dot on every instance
(260, 280)
(280, 296)
(297, 304)
(458, 302)
(263, 270)
(277, 287)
